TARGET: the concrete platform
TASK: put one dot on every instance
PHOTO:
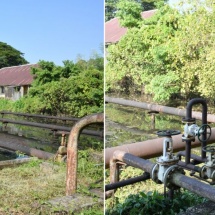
(207, 208)
(74, 203)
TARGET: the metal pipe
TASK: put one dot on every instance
(189, 166)
(133, 161)
(26, 149)
(176, 178)
(187, 151)
(129, 181)
(193, 185)
(204, 118)
(40, 116)
(195, 157)
(50, 126)
(159, 108)
(152, 148)
(204, 109)
(72, 150)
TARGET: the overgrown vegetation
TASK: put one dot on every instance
(170, 53)
(147, 198)
(75, 89)
(27, 188)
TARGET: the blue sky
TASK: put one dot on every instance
(53, 30)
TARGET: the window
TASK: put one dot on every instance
(1, 90)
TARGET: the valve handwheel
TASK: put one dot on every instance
(167, 133)
(210, 149)
(205, 128)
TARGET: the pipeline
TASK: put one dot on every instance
(72, 150)
(159, 108)
(49, 126)
(26, 150)
(152, 148)
(174, 178)
(39, 116)
(126, 182)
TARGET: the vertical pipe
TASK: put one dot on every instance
(204, 117)
(72, 150)
(187, 151)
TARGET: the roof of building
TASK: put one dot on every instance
(16, 75)
(113, 30)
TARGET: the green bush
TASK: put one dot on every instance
(154, 203)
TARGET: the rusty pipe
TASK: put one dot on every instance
(176, 178)
(159, 108)
(133, 160)
(49, 126)
(18, 146)
(72, 150)
(193, 185)
(152, 148)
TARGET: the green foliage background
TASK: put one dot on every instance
(170, 53)
(72, 89)
(9, 56)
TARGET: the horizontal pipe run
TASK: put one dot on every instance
(152, 148)
(193, 185)
(49, 126)
(192, 156)
(40, 116)
(178, 179)
(126, 182)
(159, 108)
(189, 166)
(14, 162)
(133, 161)
(15, 145)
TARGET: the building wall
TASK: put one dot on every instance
(13, 92)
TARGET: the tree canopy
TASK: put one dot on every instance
(172, 52)
(74, 89)
(9, 56)
(111, 6)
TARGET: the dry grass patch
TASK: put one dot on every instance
(26, 188)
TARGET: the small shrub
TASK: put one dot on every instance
(154, 203)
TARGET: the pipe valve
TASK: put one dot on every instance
(208, 170)
(191, 130)
(168, 158)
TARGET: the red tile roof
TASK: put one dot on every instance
(16, 75)
(113, 30)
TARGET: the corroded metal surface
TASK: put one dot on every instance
(172, 177)
(72, 150)
(193, 185)
(152, 148)
(49, 126)
(39, 116)
(15, 143)
(159, 108)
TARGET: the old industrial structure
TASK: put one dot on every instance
(15, 81)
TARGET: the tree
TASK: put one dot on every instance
(9, 56)
(129, 13)
(111, 7)
(172, 52)
(71, 89)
